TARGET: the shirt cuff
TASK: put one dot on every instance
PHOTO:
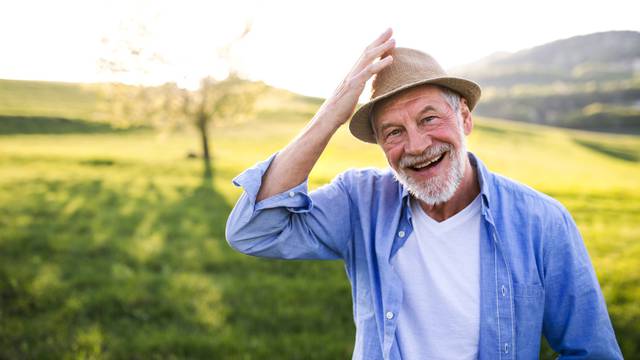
(295, 199)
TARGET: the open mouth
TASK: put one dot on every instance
(428, 164)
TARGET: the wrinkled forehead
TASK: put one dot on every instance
(400, 101)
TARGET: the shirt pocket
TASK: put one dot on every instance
(529, 311)
(523, 291)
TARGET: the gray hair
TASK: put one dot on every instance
(451, 97)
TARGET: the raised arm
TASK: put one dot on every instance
(293, 164)
(275, 216)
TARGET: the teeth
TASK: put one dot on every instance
(423, 165)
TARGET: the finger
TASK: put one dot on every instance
(380, 50)
(371, 54)
(386, 35)
(374, 68)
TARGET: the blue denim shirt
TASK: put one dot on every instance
(536, 276)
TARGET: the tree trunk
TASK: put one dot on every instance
(204, 136)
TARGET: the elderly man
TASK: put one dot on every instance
(446, 259)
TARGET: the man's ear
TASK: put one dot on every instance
(467, 119)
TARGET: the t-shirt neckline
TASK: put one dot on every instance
(472, 209)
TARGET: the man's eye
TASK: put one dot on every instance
(393, 132)
(428, 119)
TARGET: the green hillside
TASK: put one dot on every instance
(610, 55)
(112, 243)
(41, 107)
(50, 99)
(562, 83)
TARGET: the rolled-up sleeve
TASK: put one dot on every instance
(294, 224)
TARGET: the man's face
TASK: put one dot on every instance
(423, 139)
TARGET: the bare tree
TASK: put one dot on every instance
(223, 101)
(168, 106)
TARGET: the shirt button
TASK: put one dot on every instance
(504, 290)
(389, 315)
(292, 194)
(401, 233)
(506, 348)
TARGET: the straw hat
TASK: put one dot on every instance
(409, 68)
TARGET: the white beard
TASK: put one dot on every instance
(440, 188)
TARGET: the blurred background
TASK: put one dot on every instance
(122, 124)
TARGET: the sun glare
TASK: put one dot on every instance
(303, 46)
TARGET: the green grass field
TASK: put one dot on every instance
(112, 243)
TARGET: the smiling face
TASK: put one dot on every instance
(423, 138)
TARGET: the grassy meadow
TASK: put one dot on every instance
(112, 242)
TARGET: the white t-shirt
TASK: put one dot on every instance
(439, 266)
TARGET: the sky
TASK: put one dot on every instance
(303, 46)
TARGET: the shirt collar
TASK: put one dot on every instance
(484, 177)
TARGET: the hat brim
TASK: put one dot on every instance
(360, 125)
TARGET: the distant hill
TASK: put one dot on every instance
(54, 99)
(42, 107)
(588, 82)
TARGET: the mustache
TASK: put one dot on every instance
(428, 154)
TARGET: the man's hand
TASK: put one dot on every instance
(341, 105)
(293, 164)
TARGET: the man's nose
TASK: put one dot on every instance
(416, 142)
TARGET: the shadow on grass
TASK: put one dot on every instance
(13, 125)
(142, 270)
(611, 150)
(95, 270)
